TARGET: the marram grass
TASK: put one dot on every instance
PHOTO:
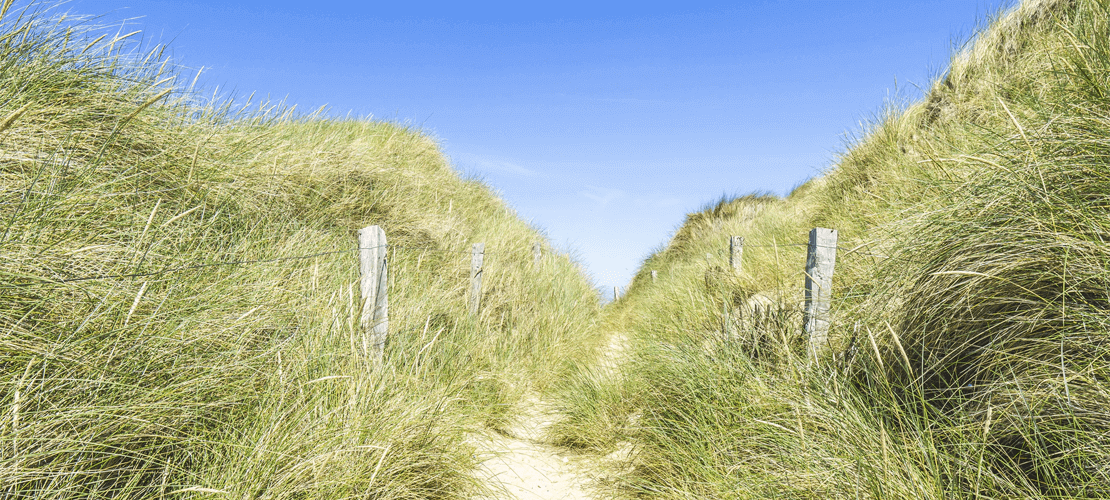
(969, 355)
(249, 380)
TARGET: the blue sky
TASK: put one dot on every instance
(603, 124)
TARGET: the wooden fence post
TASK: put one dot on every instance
(374, 272)
(654, 275)
(735, 252)
(616, 294)
(537, 252)
(477, 254)
(820, 260)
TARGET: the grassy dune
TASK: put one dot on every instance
(969, 355)
(172, 374)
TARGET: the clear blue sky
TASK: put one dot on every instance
(603, 124)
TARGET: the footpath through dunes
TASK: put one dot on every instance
(520, 463)
(523, 462)
(968, 345)
(181, 291)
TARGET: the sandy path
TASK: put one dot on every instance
(522, 464)
(525, 466)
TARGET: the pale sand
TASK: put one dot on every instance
(521, 463)
(524, 466)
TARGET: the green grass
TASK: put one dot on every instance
(968, 355)
(243, 381)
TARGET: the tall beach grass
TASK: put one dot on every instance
(968, 355)
(170, 373)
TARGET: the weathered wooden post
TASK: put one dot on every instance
(735, 252)
(730, 315)
(654, 275)
(477, 254)
(374, 272)
(820, 260)
(537, 252)
(616, 294)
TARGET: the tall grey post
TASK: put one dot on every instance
(735, 252)
(820, 260)
(654, 275)
(537, 252)
(477, 255)
(374, 271)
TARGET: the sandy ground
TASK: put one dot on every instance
(522, 464)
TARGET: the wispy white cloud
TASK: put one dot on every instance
(492, 165)
(667, 202)
(511, 168)
(603, 196)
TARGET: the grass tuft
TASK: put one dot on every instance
(968, 355)
(136, 362)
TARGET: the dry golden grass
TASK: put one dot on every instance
(969, 350)
(171, 375)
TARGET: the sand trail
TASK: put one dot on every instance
(521, 462)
